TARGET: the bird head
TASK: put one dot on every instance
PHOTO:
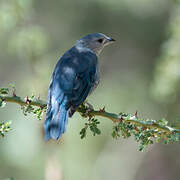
(95, 42)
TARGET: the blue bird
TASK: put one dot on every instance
(75, 76)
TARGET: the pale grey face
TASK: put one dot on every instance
(95, 42)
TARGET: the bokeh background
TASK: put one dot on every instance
(138, 72)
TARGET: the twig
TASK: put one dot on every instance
(112, 116)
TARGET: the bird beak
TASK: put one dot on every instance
(109, 41)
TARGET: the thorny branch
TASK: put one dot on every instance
(145, 131)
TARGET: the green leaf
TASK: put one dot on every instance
(98, 131)
(38, 112)
(142, 147)
(163, 122)
(4, 128)
(4, 90)
(2, 103)
(83, 133)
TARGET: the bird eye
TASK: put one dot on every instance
(100, 40)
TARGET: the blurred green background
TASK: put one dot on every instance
(138, 72)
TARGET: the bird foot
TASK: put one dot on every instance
(90, 106)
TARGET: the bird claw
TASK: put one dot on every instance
(90, 106)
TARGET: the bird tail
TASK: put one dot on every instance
(56, 121)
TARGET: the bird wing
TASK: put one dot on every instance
(74, 77)
(84, 81)
(83, 84)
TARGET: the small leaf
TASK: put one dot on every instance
(83, 133)
(2, 103)
(98, 131)
(142, 147)
(4, 90)
(4, 128)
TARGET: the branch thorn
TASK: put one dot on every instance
(102, 110)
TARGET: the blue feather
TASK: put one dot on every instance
(73, 79)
